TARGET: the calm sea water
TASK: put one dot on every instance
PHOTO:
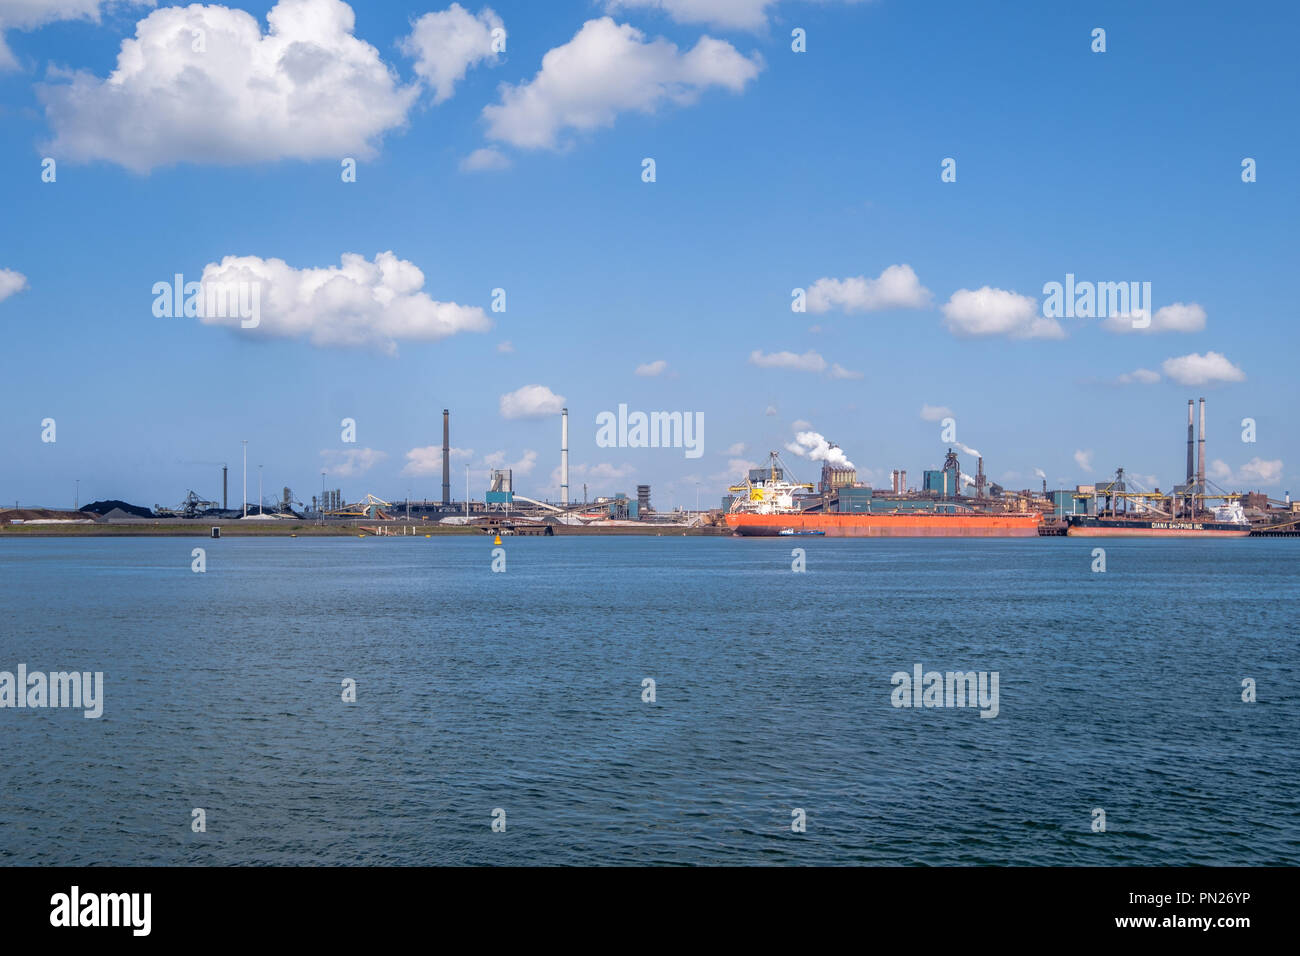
(522, 691)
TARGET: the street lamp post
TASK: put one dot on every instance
(244, 442)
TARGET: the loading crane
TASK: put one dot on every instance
(369, 508)
(191, 507)
(1113, 498)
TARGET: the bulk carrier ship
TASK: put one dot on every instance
(1117, 512)
(1227, 523)
(768, 506)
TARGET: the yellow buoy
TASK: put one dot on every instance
(498, 540)
(428, 536)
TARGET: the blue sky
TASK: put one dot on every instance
(774, 169)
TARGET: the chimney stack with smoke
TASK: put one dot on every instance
(446, 459)
(564, 456)
(1190, 438)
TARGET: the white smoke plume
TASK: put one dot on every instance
(1039, 473)
(967, 450)
(813, 445)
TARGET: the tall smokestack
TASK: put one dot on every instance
(446, 458)
(1200, 453)
(224, 469)
(564, 457)
(1190, 438)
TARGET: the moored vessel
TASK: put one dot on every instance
(1092, 526)
(914, 524)
(1114, 510)
(768, 506)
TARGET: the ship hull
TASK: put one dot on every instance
(1091, 527)
(914, 525)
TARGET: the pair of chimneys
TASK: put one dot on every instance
(1200, 450)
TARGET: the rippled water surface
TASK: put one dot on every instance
(522, 691)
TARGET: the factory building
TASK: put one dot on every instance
(500, 487)
(940, 482)
(833, 479)
(623, 508)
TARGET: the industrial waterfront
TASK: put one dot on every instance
(768, 500)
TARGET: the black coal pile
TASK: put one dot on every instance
(102, 508)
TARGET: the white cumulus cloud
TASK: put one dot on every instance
(427, 461)
(1256, 472)
(810, 361)
(607, 69)
(352, 462)
(989, 311)
(895, 288)
(446, 44)
(31, 14)
(305, 89)
(523, 466)
(484, 160)
(531, 401)
(598, 475)
(357, 304)
(1139, 376)
(1084, 459)
(651, 369)
(935, 413)
(1179, 317)
(11, 282)
(737, 470)
(727, 14)
(1196, 369)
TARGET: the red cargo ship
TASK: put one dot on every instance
(768, 507)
